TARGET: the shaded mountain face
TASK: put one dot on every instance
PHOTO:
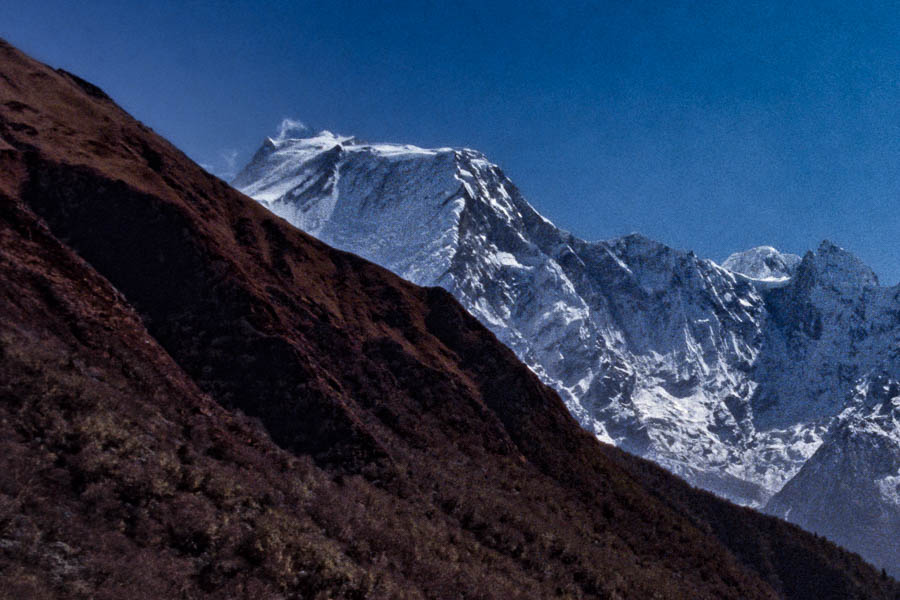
(855, 474)
(191, 385)
(730, 376)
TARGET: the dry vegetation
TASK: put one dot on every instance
(393, 447)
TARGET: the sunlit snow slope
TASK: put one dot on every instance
(731, 377)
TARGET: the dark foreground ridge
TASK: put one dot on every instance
(198, 400)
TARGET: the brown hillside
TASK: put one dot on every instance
(391, 446)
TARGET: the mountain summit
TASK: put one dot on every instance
(763, 262)
(731, 375)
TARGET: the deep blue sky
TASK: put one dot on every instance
(712, 129)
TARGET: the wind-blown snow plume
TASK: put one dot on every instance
(291, 129)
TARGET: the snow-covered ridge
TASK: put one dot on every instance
(732, 376)
(850, 488)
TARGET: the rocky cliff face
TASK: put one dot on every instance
(731, 376)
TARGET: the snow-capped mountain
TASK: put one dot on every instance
(850, 488)
(763, 262)
(732, 376)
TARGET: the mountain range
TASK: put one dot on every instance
(766, 379)
(198, 400)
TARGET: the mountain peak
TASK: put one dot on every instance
(827, 245)
(650, 347)
(763, 262)
(638, 242)
(839, 268)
